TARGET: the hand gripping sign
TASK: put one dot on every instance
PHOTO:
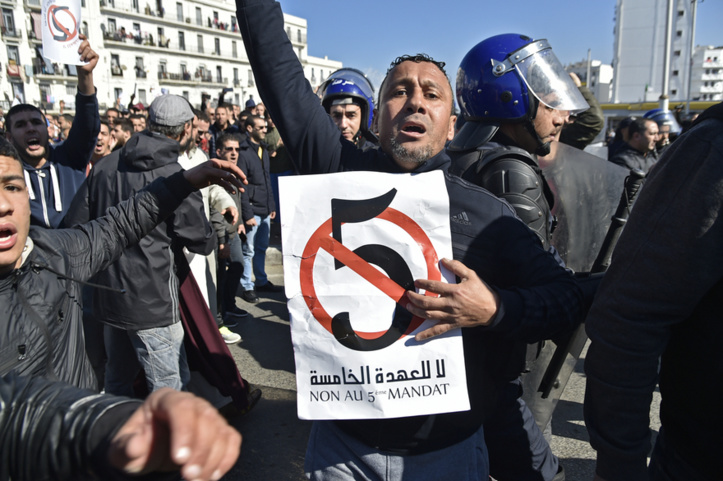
(61, 27)
(353, 245)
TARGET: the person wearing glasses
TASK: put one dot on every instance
(254, 160)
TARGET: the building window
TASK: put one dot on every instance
(217, 46)
(199, 41)
(298, 35)
(140, 68)
(288, 32)
(251, 78)
(675, 73)
(219, 75)
(71, 89)
(84, 29)
(112, 26)
(179, 11)
(681, 13)
(45, 95)
(117, 93)
(677, 53)
(236, 82)
(115, 68)
(185, 94)
(142, 96)
(199, 17)
(673, 92)
(134, 5)
(679, 33)
(234, 49)
(181, 41)
(13, 54)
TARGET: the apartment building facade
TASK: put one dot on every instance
(146, 48)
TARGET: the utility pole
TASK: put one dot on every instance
(694, 9)
(664, 99)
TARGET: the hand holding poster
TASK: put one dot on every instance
(353, 245)
(61, 31)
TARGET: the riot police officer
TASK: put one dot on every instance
(348, 97)
(668, 127)
(514, 97)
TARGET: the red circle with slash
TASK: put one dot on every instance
(322, 239)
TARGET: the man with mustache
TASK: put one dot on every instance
(525, 293)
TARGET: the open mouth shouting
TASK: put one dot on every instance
(413, 130)
(34, 144)
(8, 236)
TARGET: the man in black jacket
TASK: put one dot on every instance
(254, 159)
(41, 270)
(143, 326)
(639, 151)
(55, 431)
(525, 294)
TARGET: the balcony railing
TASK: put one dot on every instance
(203, 77)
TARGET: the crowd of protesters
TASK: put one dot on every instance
(133, 236)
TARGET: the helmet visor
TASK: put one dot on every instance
(547, 80)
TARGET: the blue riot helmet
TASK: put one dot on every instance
(664, 118)
(503, 79)
(349, 85)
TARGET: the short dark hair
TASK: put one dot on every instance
(639, 125)
(112, 109)
(104, 121)
(125, 124)
(201, 115)
(418, 58)
(21, 108)
(227, 137)
(136, 116)
(68, 118)
(7, 150)
(251, 121)
(224, 106)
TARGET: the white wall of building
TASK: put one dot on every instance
(707, 83)
(174, 46)
(601, 77)
(639, 50)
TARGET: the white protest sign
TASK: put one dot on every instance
(353, 244)
(61, 31)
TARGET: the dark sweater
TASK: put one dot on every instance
(662, 296)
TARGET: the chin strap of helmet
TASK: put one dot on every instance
(543, 148)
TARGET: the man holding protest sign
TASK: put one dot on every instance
(525, 294)
(54, 173)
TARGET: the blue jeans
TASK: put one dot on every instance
(254, 250)
(333, 455)
(159, 351)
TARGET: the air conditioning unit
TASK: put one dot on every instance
(188, 19)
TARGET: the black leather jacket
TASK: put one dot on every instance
(41, 331)
(52, 431)
(537, 296)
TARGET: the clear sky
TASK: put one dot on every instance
(369, 34)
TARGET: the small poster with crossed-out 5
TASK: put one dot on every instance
(353, 244)
(61, 23)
